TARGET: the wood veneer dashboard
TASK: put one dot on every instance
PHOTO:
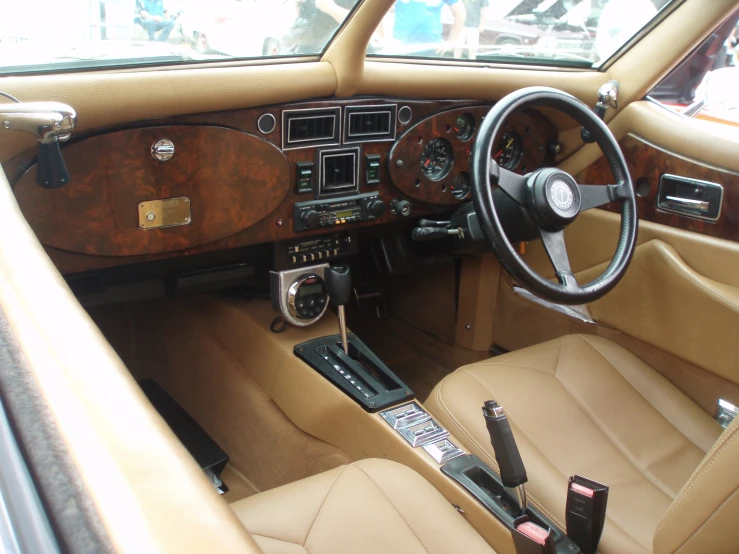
(240, 182)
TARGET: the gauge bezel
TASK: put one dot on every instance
(471, 127)
(515, 160)
(443, 173)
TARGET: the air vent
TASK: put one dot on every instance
(303, 128)
(338, 173)
(369, 123)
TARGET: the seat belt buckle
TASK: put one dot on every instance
(585, 512)
(530, 538)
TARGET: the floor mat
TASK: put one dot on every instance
(173, 346)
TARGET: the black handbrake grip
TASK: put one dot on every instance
(51, 171)
(510, 464)
(338, 279)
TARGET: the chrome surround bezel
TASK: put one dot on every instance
(292, 293)
(688, 180)
(433, 449)
(264, 117)
(400, 423)
(312, 143)
(392, 109)
(409, 433)
(286, 280)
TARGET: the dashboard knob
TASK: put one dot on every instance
(401, 207)
(376, 207)
(311, 219)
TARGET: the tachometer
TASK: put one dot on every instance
(510, 151)
(437, 159)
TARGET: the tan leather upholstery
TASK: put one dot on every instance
(582, 404)
(149, 493)
(371, 506)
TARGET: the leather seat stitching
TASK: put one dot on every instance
(278, 540)
(605, 357)
(328, 493)
(693, 480)
(481, 452)
(707, 520)
(394, 507)
(616, 443)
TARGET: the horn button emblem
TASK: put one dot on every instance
(561, 195)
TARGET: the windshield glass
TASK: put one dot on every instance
(555, 32)
(71, 34)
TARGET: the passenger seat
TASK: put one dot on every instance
(367, 507)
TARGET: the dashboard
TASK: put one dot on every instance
(218, 181)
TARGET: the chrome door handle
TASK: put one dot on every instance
(697, 204)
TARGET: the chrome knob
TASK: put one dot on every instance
(162, 150)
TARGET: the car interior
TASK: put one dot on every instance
(352, 302)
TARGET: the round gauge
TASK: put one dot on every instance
(461, 186)
(510, 151)
(464, 127)
(437, 159)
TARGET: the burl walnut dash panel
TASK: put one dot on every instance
(232, 179)
(405, 170)
(241, 184)
(648, 163)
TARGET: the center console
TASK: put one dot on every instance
(396, 426)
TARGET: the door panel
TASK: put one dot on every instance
(681, 293)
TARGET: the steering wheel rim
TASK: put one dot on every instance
(535, 192)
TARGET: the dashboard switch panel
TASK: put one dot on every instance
(324, 248)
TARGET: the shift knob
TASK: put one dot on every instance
(338, 279)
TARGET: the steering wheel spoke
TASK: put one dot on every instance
(554, 245)
(513, 184)
(594, 196)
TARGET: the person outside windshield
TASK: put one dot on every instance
(154, 19)
(316, 23)
(419, 22)
(474, 24)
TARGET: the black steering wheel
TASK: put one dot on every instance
(552, 199)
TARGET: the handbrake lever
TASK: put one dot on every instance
(510, 464)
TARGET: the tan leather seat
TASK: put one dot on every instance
(584, 405)
(370, 506)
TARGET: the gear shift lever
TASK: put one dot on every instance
(338, 280)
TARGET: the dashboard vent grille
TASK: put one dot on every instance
(304, 128)
(370, 123)
(338, 172)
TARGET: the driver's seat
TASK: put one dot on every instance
(584, 405)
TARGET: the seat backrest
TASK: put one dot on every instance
(704, 517)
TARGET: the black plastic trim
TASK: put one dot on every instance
(485, 485)
(375, 378)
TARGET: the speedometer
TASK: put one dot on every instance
(437, 159)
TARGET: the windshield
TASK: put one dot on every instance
(71, 34)
(579, 33)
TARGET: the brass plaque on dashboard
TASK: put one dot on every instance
(168, 212)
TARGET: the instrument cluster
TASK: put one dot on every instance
(430, 161)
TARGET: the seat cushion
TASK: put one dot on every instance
(367, 507)
(584, 405)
